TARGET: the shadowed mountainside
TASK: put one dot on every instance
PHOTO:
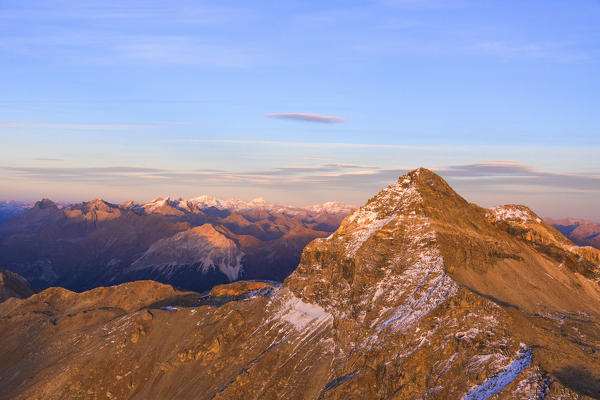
(192, 244)
(10, 209)
(13, 285)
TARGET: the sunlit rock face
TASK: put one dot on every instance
(198, 251)
(418, 294)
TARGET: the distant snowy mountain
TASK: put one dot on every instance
(161, 205)
(9, 209)
(192, 244)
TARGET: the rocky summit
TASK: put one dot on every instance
(418, 295)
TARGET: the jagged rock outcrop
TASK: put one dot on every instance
(418, 294)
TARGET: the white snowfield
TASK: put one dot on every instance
(305, 318)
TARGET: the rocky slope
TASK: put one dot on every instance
(418, 294)
(192, 254)
(95, 243)
(582, 232)
(13, 285)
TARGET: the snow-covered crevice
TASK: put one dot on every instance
(304, 317)
(417, 307)
(498, 382)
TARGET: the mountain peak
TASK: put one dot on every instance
(423, 175)
(98, 204)
(419, 294)
(258, 201)
(44, 203)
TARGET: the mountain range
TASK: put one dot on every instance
(9, 209)
(192, 244)
(580, 231)
(418, 294)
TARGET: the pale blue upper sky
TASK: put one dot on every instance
(141, 99)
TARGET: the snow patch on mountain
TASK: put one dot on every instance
(303, 316)
(513, 212)
(496, 383)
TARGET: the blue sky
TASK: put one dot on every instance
(141, 99)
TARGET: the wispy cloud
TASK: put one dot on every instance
(500, 175)
(491, 176)
(486, 183)
(158, 13)
(554, 51)
(48, 159)
(305, 117)
(182, 50)
(426, 4)
(84, 47)
(491, 168)
(347, 145)
(70, 126)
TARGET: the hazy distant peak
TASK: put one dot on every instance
(206, 201)
(44, 203)
(332, 207)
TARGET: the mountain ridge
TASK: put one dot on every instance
(95, 243)
(418, 294)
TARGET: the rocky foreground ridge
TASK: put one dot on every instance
(418, 294)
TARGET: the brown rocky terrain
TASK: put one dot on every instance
(580, 231)
(240, 288)
(418, 295)
(179, 242)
